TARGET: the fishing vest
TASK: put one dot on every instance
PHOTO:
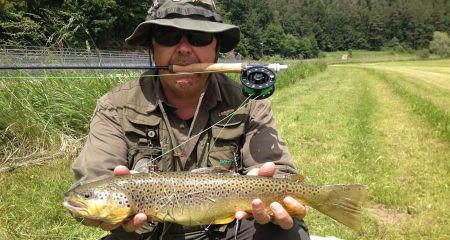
(148, 138)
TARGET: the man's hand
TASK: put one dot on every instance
(131, 225)
(280, 215)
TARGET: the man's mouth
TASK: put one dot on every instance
(183, 61)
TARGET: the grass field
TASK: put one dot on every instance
(386, 125)
(364, 56)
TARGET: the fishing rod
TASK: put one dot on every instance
(81, 67)
(258, 80)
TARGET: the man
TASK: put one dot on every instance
(175, 123)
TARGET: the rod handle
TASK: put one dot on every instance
(208, 67)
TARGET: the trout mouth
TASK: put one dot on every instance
(76, 207)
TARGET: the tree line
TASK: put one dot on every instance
(289, 28)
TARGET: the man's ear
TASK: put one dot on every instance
(217, 47)
(150, 55)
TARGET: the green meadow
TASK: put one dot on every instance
(384, 124)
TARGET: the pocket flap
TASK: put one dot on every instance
(133, 118)
(229, 128)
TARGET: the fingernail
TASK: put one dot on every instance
(256, 202)
(289, 200)
(276, 207)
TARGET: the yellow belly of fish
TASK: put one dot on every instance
(215, 213)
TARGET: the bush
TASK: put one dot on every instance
(350, 53)
(440, 45)
(322, 54)
(423, 53)
(272, 59)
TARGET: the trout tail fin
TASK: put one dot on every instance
(342, 202)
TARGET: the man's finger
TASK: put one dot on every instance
(267, 169)
(239, 215)
(121, 170)
(135, 223)
(259, 213)
(294, 208)
(281, 216)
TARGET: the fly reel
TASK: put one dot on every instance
(258, 82)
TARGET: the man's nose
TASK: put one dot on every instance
(184, 47)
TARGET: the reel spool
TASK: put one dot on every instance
(258, 81)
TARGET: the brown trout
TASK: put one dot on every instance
(188, 198)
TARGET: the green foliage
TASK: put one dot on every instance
(69, 23)
(340, 25)
(308, 47)
(440, 44)
(271, 39)
(289, 46)
(423, 53)
(269, 27)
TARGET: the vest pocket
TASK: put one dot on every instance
(142, 131)
(225, 150)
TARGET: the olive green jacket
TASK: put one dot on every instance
(239, 136)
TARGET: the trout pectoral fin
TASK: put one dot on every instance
(292, 177)
(224, 220)
(297, 177)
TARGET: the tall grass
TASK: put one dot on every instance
(298, 71)
(39, 111)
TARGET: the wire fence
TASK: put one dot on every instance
(43, 56)
(47, 56)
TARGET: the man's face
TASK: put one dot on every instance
(183, 52)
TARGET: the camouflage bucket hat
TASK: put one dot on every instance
(196, 15)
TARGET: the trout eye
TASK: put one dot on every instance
(87, 195)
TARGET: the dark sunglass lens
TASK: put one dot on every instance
(168, 37)
(200, 39)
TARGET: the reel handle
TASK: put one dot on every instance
(222, 67)
(208, 67)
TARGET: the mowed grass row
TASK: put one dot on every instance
(353, 124)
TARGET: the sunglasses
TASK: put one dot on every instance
(172, 36)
